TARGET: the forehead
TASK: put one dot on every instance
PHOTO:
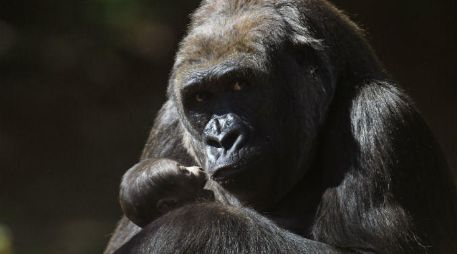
(241, 36)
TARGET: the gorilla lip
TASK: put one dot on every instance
(225, 171)
(231, 167)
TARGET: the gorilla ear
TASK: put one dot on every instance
(165, 205)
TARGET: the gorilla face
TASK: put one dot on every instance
(249, 107)
(229, 112)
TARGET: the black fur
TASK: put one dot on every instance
(346, 164)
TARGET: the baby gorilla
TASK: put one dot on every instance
(152, 188)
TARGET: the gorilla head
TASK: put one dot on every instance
(251, 93)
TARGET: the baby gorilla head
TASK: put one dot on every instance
(155, 187)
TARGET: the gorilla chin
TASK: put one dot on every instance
(246, 174)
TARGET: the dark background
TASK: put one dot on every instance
(81, 81)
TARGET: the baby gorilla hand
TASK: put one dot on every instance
(153, 187)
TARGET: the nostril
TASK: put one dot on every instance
(213, 143)
(226, 141)
(230, 139)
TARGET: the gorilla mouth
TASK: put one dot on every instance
(226, 171)
(230, 168)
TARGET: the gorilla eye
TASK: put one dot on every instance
(202, 96)
(238, 86)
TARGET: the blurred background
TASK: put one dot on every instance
(81, 81)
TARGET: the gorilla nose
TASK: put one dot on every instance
(230, 140)
(225, 132)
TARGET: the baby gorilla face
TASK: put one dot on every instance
(154, 187)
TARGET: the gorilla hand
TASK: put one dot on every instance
(152, 188)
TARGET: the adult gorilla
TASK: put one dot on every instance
(284, 104)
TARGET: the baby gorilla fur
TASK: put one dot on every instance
(146, 195)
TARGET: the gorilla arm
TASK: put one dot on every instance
(395, 194)
(218, 228)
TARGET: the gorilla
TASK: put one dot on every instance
(310, 145)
